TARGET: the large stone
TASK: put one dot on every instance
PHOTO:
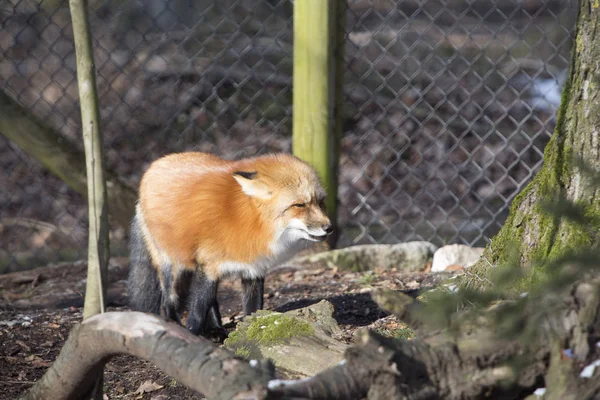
(298, 341)
(410, 256)
(455, 255)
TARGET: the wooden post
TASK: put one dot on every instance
(318, 76)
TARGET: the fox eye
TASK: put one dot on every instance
(299, 205)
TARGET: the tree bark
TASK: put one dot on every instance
(531, 233)
(62, 157)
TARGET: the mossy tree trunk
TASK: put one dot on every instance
(530, 233)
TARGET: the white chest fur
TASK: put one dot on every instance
(284, 247)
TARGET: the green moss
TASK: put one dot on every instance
(276, 328)
(243, 352)
(232, 338)
(579, 47)
(367, 278)
(266, 329)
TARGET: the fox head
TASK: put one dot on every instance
(289, 194)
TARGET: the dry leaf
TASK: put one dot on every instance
(413, 285)
(23, 346)
(38, 362)
(12, 360)
(147, 387)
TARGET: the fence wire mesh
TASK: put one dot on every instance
(447, 106)
(453, 103)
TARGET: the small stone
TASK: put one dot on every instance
(455, 255)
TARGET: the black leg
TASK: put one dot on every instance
(216, 332)
(170, 299)
(214, 317)
(203, 296)
(253, 294)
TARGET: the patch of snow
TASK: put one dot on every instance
(588, 371)
(547, 93)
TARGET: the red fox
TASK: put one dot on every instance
(200, 218)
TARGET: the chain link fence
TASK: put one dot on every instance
(448, 106)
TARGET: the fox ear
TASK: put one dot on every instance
(252, 186)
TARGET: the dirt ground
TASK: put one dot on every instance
(38, 308)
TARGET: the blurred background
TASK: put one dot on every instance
(447, 107)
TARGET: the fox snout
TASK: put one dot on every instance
(321, 227)
(311, 223)
(324, 225)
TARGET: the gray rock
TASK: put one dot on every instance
(298, 341)
(455, 255)
(410, 256)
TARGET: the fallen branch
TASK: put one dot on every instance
(194, 361)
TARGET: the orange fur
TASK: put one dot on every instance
(194, 211)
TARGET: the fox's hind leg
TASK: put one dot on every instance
(170, 304)
(143, 285)
(204, 315)
(253, 294)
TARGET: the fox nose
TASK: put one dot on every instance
(328, 228)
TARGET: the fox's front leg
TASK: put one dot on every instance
(253, 290)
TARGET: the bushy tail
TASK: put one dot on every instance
(143, 286)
